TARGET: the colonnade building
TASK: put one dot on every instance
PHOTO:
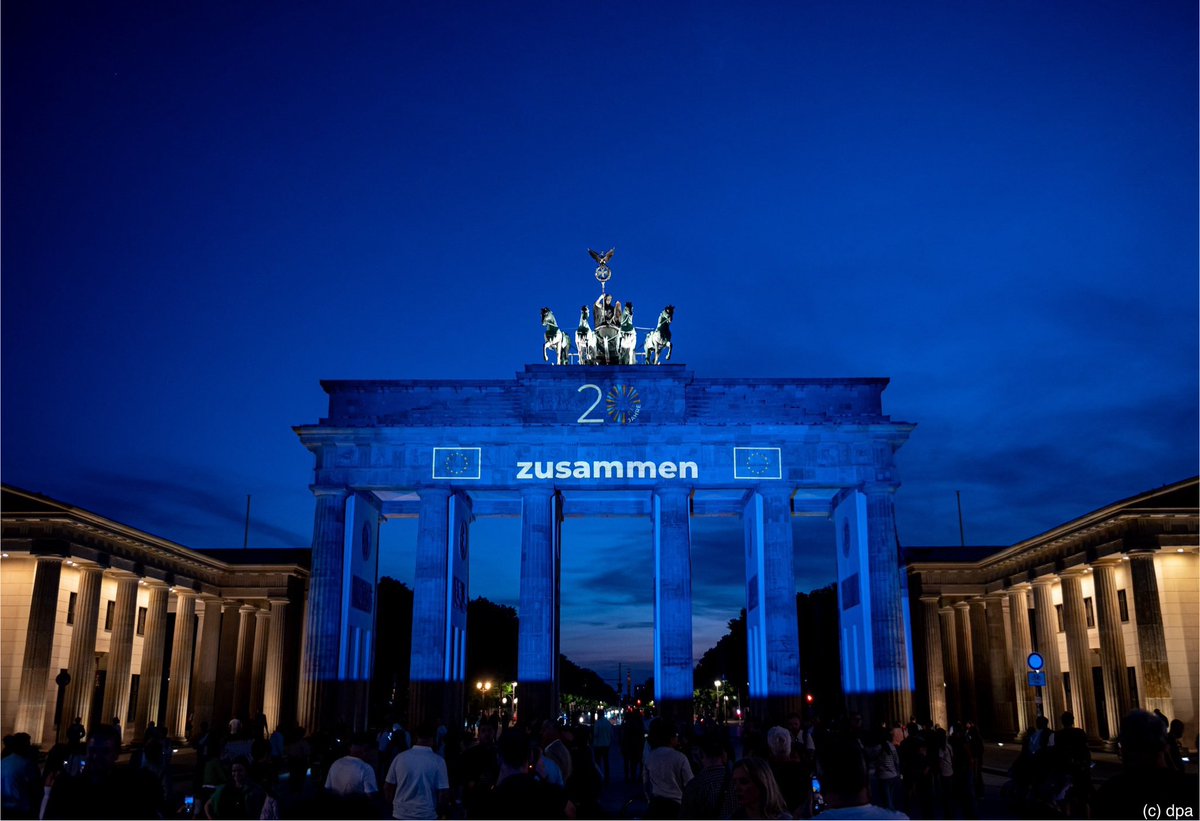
(144, 629)
(1111, 601)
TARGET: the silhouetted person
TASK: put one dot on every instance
(710, 793)
(1146, 777)
(102, 789)
(518, 793)
(844, 781)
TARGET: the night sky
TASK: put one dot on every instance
(209, 207)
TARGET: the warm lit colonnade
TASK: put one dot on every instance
(1114, 594)
(146, 629)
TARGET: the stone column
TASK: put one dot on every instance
(1152, 643)
(82, 660)
(153, 644)
(537, 644)
(1112, 644)
(1053, 702)
(273, 675)
(179, 681)
(39, 642)
(935, 677)
(772, 641)
(204, 671)
(954, 706)
(120, 652)
(322, 644)
(966, 661)
(981, 657)
(258, 665)
(1000, 668)
(1083, 693)
(245, 661)
(889, 633)
(673, 683)
(1022, 646)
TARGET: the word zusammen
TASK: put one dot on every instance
(607, 470)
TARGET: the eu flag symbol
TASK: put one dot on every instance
(757, 463)
(456, 463)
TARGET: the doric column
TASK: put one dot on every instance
(889, 633)
(673, 601)
(1112, 643)
(1152, 642)
(82, 660)
(273, 676)
(1022, 646)
(120, 652)
(935, 677)
(204, 671)
(954, 705)
(981, 658)
(999, 668)
(322, 643)
(258, 666)
(537, 643)
(1047, 644)
(966, 661)
(179, 682)
(772, 641)
(1083, 693)
(153, 645)
(39, 642)
(245, 661)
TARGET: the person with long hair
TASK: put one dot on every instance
(756, 792)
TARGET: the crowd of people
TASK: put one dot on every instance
(793, 769)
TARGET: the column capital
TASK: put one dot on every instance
(961, 605)
(273, 600)
(1076, 572)
(183, 592)
(1108, 561)
(934, 599)
(996, 596)
(85, 567)
(329, 490)
(247, 608)
(1017, 587)
(1045, 581)
(1142, 553)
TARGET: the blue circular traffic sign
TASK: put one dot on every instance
(1035, 661)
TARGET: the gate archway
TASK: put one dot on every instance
(619, 440)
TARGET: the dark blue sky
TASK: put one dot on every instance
(209, 207)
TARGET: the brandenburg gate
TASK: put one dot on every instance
(586, 438)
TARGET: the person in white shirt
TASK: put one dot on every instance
(351, 776)
(666, 772)
(417, 782)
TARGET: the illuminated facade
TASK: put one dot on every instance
(563, 441)
(1114, 594)
(146, 630)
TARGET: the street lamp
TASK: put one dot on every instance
(483, 687)
(717, 683)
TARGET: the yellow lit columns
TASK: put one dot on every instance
(39, 642)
